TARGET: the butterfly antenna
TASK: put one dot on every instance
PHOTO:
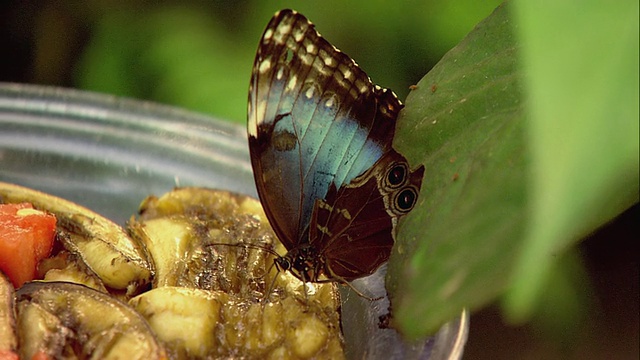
(256, 247)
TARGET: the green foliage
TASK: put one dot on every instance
(582, 78)
(171, 55)
(466, 123)
(527, 148)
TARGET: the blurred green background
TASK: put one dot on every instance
(198, 55)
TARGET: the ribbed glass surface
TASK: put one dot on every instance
(109, 153)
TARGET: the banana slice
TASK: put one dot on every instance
(66, 320)
(8, 336)
(104, 247)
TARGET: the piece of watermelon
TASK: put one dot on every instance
(26, 237)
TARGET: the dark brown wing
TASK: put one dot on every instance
(354, 227)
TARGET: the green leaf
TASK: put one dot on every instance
(465, 122)
(582, 71)
(521, 161)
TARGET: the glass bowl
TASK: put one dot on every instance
(108, 153)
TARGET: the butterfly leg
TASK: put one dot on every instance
(345, 282)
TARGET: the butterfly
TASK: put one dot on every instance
(320, 140)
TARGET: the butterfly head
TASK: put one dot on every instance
(302, 262)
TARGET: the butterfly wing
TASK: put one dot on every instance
(355, 225)
(315, 121)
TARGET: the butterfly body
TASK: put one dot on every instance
(320, 138)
